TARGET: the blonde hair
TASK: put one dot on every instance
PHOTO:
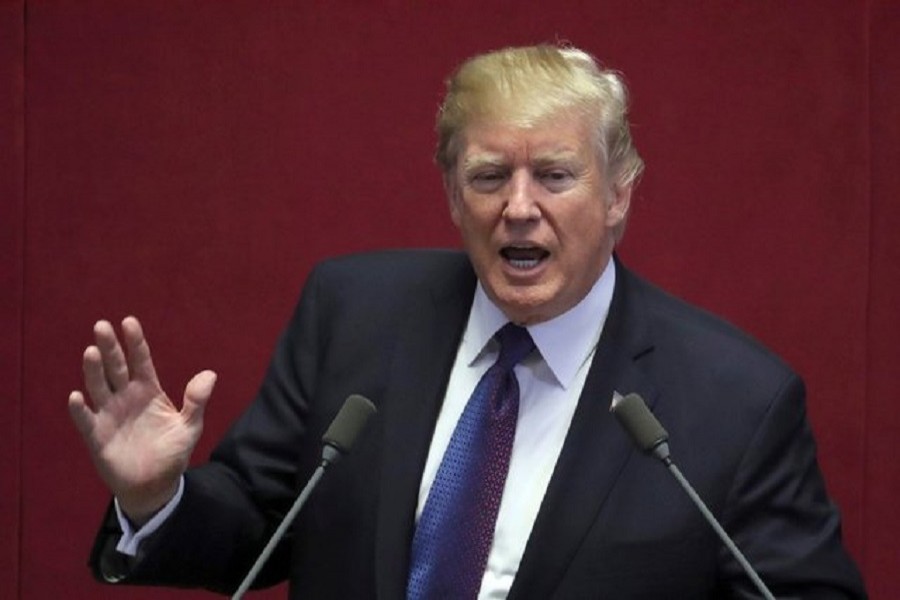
(523, 86)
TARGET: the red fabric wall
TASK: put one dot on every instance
(188, 162)
(881, 476)
(12, 197)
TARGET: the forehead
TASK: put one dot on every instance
(560, 138)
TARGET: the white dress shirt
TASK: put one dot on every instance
(550, 383)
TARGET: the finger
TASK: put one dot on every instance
(196, 395)
(81, 414)
(140, 361)
(95, 381)
(114, 366)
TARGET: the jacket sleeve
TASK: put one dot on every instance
(780, 515)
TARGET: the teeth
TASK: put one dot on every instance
(524, 264)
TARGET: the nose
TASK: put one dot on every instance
(521, 201)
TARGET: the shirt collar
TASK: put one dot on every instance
(564, 342)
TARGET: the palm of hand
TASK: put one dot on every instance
(139, 441)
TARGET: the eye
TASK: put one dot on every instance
(487, 181)
(556, 180)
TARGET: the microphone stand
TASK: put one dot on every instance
(329, 455)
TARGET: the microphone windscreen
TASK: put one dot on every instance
(638, 421)
(349, 422)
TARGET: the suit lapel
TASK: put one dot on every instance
(426, 348)
(595, 449)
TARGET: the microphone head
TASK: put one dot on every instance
(641, 425)
(349, 422)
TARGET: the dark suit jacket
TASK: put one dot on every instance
(613, 523)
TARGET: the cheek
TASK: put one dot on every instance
(476, 218)
(583, 239)
(584, 224)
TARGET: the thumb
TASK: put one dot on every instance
(82, 416)
(196, 395)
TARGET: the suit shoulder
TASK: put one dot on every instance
(391, 279)
(696, 332)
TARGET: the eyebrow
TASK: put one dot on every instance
(491, 159)
(556, 157)
(478, 161)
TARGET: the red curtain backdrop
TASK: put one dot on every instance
(12, 198)
(188, 162)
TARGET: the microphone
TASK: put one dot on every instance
(337, 441)
(650, 436)
(641, 425)
(346, 427)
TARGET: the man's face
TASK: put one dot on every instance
(536, 213)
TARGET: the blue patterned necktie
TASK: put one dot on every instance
(456, 528)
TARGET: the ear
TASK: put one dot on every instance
(618, 205)
(451, 188)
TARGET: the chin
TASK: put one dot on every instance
(524, 309)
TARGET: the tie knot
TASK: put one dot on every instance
(515, 344)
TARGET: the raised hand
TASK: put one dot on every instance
(139, 440)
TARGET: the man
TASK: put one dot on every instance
(539, 167)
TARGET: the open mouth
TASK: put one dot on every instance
(523, 257)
